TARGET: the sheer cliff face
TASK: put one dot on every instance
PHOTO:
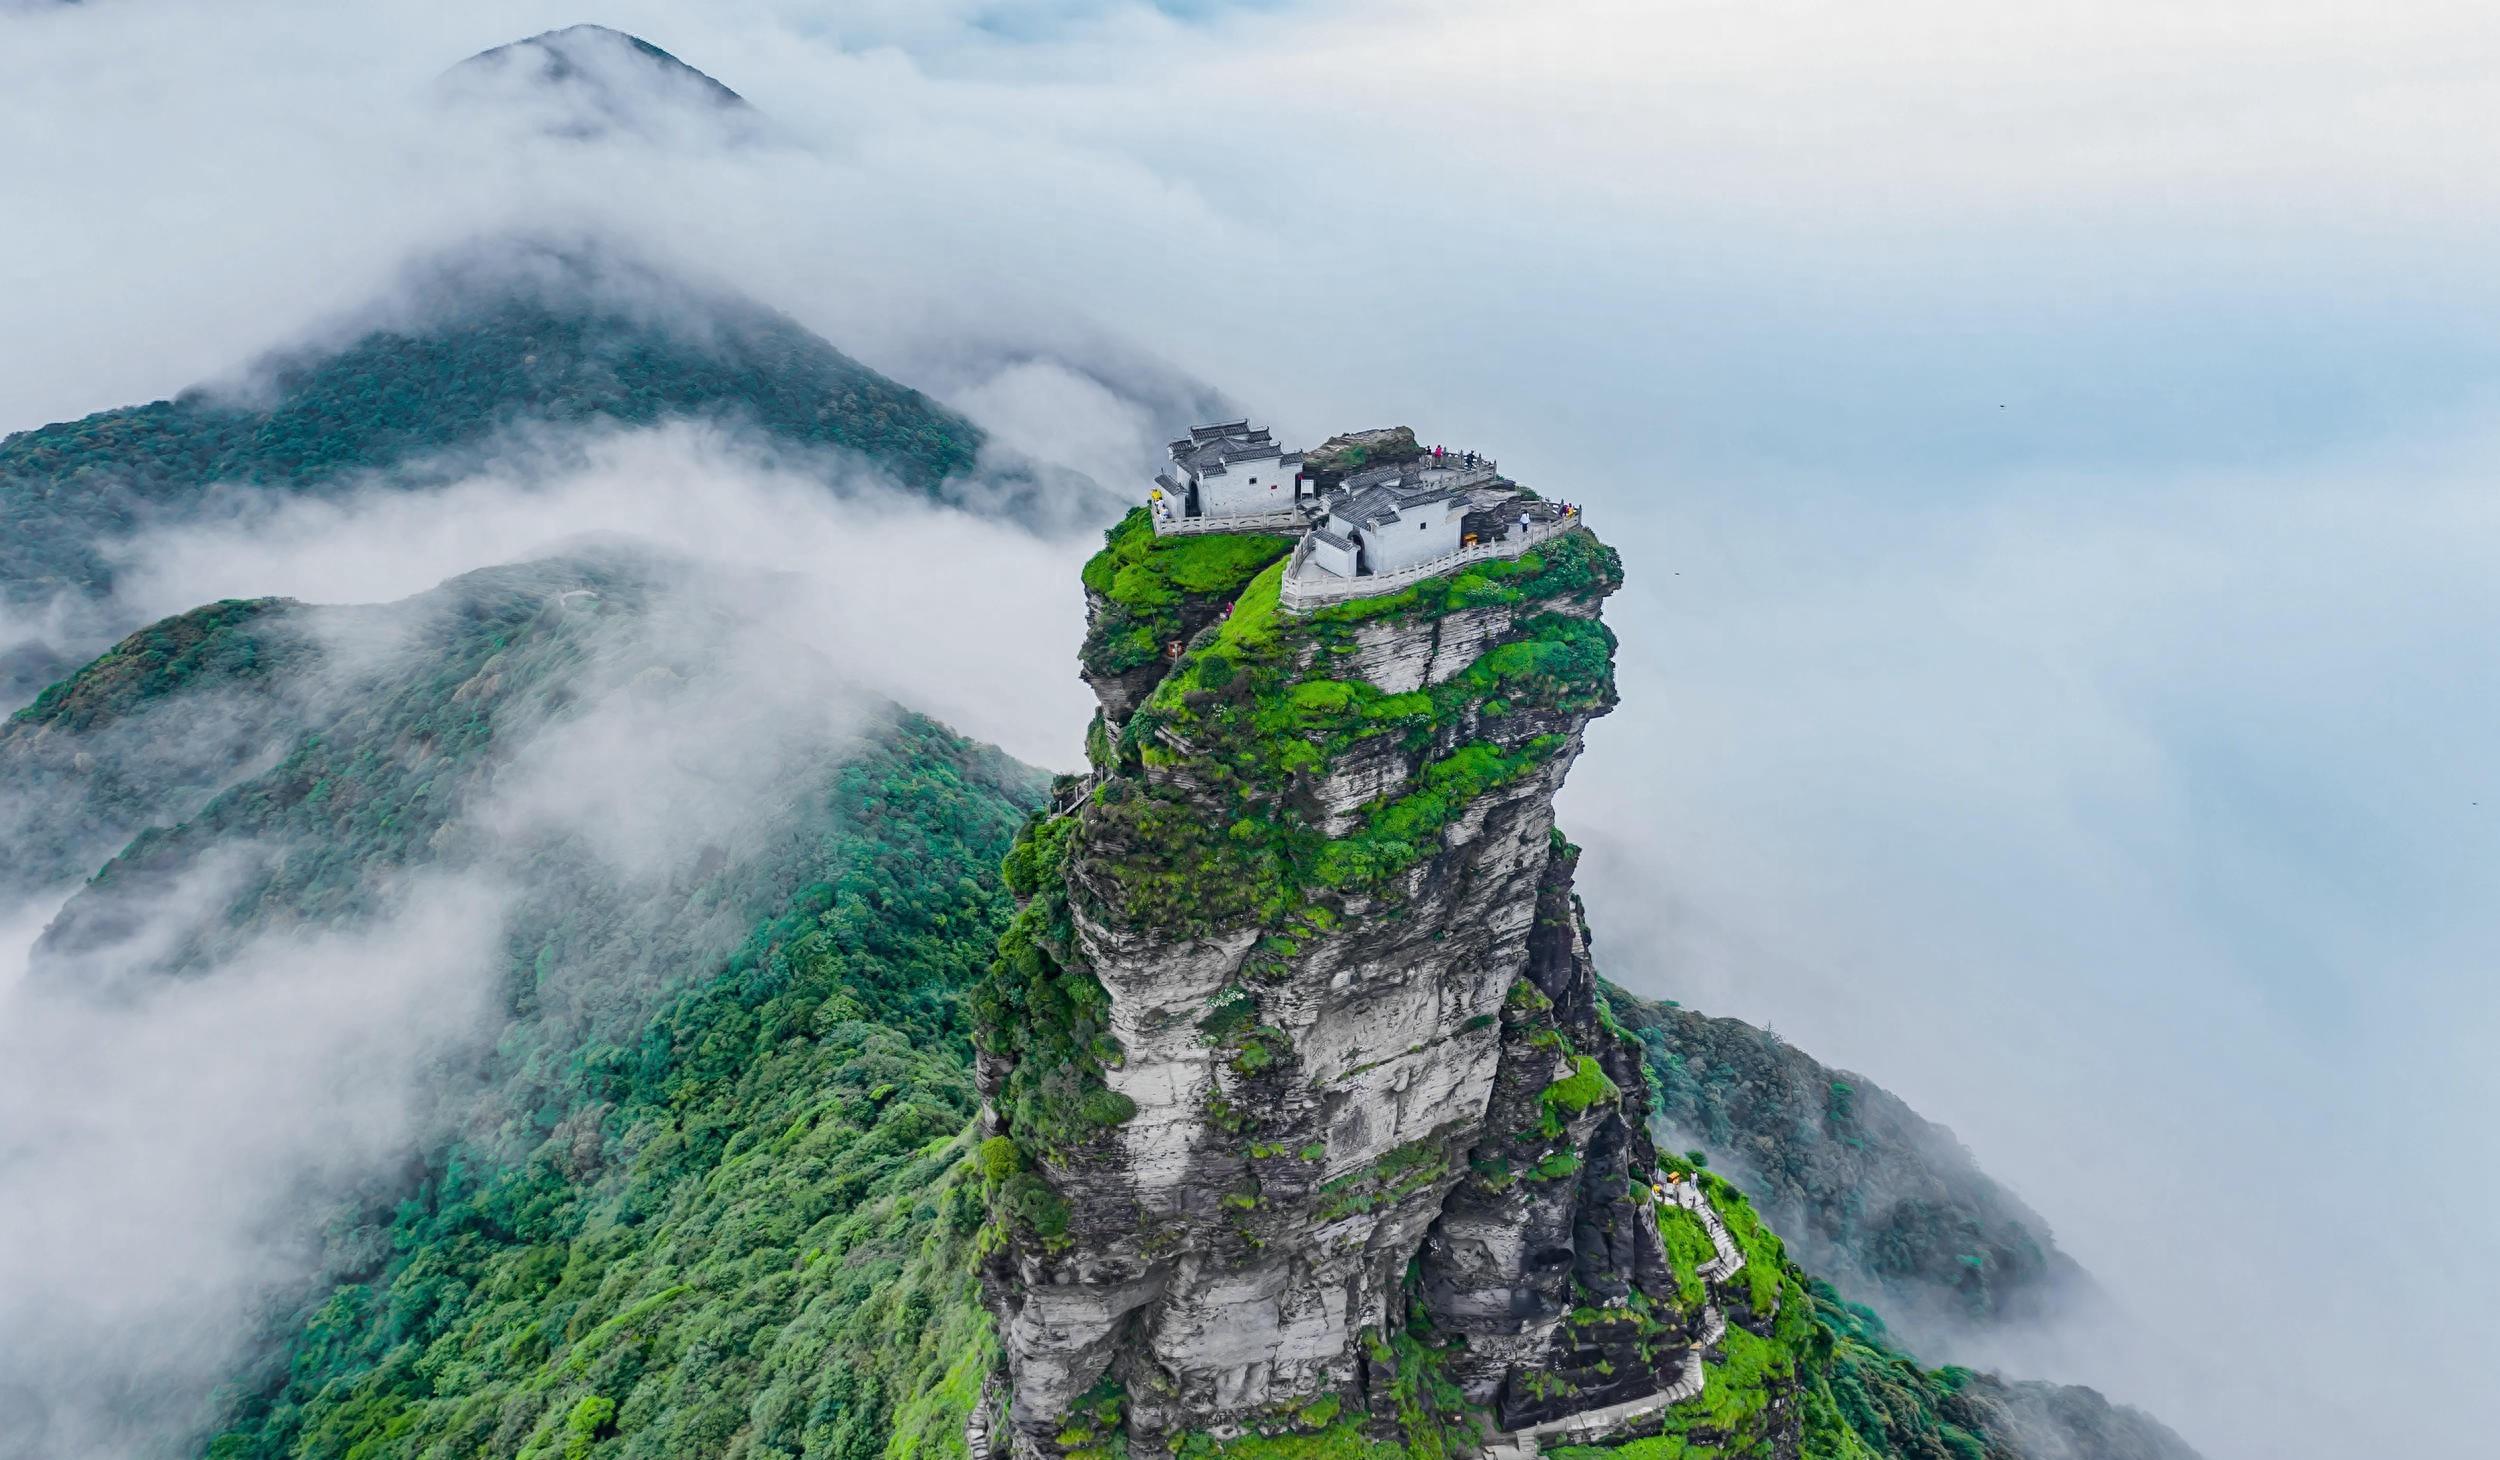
(1296, 1044)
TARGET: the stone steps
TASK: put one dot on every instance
(981, 1426)
(1730, 1259)
(1691, 1379)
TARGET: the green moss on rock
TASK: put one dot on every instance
(1149, 585)
(1574, 1093)
(1042, 1010)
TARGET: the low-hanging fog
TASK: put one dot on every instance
(2049, 444)
(180, 1158)
(960, 617)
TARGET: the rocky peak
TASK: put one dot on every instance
(1340, 456)
(1306, 1112)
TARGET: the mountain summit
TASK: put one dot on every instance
(589, 82)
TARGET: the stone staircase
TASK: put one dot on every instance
(1591, 1425)
(1728, 1260)
(981, 1427)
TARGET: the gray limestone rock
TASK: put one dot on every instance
(1411, 1105)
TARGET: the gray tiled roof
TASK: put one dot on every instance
(1213, 456)
(1378, 506)
(1208, 450)
(1322, 534)
(1375, 508)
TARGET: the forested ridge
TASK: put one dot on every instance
(397, 394)
(705, 1170)
(744, 1230)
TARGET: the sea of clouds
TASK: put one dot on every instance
(2049, 446)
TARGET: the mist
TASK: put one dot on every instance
(185, 1159)
(961, 616)
(172, 1149)
(2049, 448)
(2133, 833)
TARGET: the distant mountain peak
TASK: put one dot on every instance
(593, 82)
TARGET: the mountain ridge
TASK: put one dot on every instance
(1868, 1190)
(484, 340)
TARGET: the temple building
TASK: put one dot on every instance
(1363, 530)
(1228, 469)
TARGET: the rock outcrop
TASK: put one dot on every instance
(1296, 1052)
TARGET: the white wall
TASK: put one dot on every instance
(1337, 560)
(1235, 490)
(1421, 533)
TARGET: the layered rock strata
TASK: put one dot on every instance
(1297, 1047)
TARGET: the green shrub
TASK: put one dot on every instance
(1152, 587)
(583, 1427)
(1576, 1092)
(1109, 1107)
(999, 1159)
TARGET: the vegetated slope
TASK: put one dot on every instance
(746, 1228)
(389, 740)
(1867, 1190)
(747, 1225)
(811, 944)
(145, 735)
(496, 338)
(396, 742)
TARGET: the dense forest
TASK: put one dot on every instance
(744, 1229)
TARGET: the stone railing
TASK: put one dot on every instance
(1290, 521)
(1728, 1259)
(1063, 802)
(1713, 1326)
(1594, 1424)
(1460, 476)
(1305, 588)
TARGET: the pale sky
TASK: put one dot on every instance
(2050, 445)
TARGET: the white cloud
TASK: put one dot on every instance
(2070, 695)
(2131, 829)
(956, 615)
(172, 1148)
